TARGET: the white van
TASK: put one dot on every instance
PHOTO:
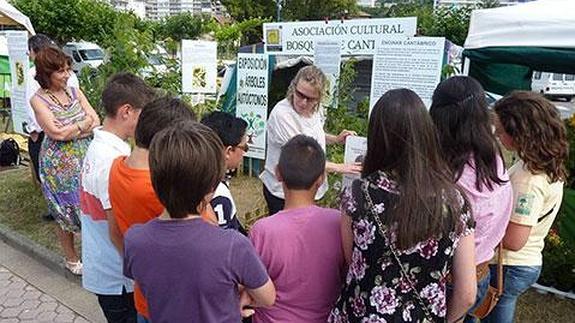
(156, 62)
(554, 85)
(84, 54)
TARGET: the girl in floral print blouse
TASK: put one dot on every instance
(405, 210)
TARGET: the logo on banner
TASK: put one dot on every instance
(274, 39)
(256, 125)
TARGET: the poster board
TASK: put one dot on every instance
(19, 66)
(327, 57)
(252, 100)
(199, 66)
(355, 150)
(413, 63)
(357, 36)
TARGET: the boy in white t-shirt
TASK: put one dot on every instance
(123, 99)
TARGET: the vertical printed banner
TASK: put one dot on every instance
(252, 100)
(19, 65)
(199, 66)
(412, 63)
(327, 57)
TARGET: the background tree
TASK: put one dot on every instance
(317, 9)
(245, 9)
(449, 22)
(72, 19)
(183, 26)
(485, 4)
(231, 36)
(292, 10)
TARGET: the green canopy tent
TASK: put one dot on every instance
(505, 45)
(10, 19)
(5, 79)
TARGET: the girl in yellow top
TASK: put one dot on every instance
(531, 126)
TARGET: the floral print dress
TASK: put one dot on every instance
(60, 166)
(375, 289)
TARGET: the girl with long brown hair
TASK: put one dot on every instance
(470, 148)
(529, 125)
(405, 225)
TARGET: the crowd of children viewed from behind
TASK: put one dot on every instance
(414, 240)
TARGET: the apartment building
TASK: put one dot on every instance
(158, 9)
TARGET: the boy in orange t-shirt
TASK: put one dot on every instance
(130, 187)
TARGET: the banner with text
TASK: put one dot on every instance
(327, 57)
(18, 56)
(357, 37)
(413, 63)
(199, 66)
(252, 100)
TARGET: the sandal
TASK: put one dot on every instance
(75, 267)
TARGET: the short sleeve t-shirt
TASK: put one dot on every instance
(102, 271)
(536, 203)
(491, 209)
(132, 196)
(283, 124)
(225, 208)
(301, 249)
(133, 201)
(189, 270)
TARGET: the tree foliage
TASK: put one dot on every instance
(243, 9)
(485, 4)
(183, 26)
(449, 22)
(452, 23)
(127, 53)
(317, 9)
(72, 19)
(291, 10)
(231, 36)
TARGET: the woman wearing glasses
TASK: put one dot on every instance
(298, 114)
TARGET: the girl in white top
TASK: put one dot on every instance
(531, 126)
(298, 114)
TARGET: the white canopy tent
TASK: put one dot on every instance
(11, 16)
(543, 23)
(506, 44)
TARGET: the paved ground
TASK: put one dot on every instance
(22, 302)
(30, 292)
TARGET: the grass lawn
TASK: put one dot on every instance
(21, 205)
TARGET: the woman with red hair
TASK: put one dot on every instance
(67, 119)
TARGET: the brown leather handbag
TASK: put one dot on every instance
(493, 294)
